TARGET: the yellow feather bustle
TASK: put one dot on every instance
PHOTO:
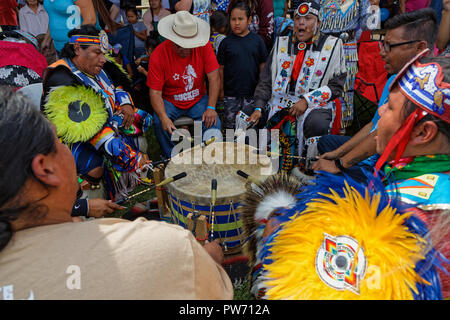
(391, 251)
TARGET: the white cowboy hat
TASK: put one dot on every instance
(184, 29)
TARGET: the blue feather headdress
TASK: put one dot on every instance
(427, 285)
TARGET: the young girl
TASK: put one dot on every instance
(140, 31)
(219, 28)
(155, 13)
(241, 57)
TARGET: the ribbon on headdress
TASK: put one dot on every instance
(400, 138)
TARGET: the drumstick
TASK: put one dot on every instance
(134, 195)
(208, 142)
(246, 176)
(250, 124)
(162, 183)
(172, 179)
(269, 153)
(213, 191)
(213, 202)
(165, 161)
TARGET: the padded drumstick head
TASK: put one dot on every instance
(172, 179)
(209, 141)
(242, 174)
(213, 190)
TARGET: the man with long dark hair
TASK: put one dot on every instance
(98, 119)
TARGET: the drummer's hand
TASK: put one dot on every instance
(128, 115)
(325, 165)
(168, 125)
(299, 108)
(255, 116)
(209, 117)
(143, 159)
(215, 250)
(100, 207)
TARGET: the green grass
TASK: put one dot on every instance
(242, 291)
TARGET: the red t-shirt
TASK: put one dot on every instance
(181, 80)
(8, 16)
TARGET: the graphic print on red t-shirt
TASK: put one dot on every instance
(181, 80)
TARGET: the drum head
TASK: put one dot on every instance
(221, 161)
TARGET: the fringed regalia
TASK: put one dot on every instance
(345, 19)
(320, 82)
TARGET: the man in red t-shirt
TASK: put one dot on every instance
(176, 77)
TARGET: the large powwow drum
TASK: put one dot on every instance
(192, 194)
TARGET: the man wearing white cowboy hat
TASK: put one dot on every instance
(177, 74)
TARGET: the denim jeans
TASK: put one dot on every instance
(9, 28)
(329, 143)
(195, 112)
(232, 106)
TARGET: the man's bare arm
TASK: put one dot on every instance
(350, 145)
(365, 149)
(157, 103)
(214, 87)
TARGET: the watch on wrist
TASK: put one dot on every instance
(338, 164)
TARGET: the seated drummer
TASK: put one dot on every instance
(176, 76)
(44, 255)
(101, 123)
(299, 85)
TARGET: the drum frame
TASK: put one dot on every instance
(233, 211)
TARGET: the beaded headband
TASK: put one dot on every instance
(100, 40)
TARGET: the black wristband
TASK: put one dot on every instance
(338, 164)
(81, 208)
